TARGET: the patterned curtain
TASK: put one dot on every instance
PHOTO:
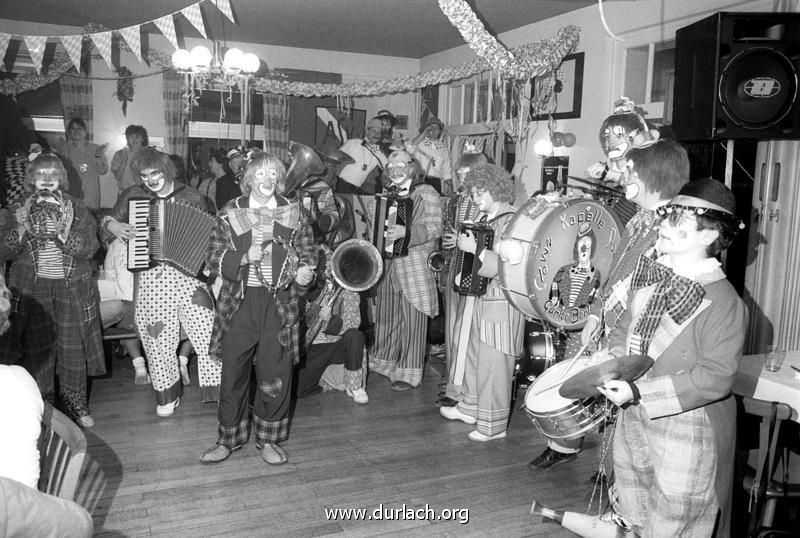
(176, 119)
(276, 125)
(76, 99)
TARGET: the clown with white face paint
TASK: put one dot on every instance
(407, 291)
(167, 299)
(50, 239)
(263, 249)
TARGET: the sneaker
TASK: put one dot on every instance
(475, 435)
(359, 395)
(452, 413)
(168, 409)
(142, 377)
(86, 421)
(550, 458)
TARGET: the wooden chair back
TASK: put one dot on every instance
(62, 451)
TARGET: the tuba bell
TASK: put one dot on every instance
(305, 163)
(356, 265)
(438, 261)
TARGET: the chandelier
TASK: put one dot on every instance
(204, 69)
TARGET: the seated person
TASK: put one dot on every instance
(338, 342)
(116, 304)
(29, 512)
(21, 408)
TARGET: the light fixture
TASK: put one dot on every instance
(543, 147)
(204, 69)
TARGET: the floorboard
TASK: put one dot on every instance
(144, 478)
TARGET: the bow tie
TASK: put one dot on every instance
(397, 191)
(678, 296)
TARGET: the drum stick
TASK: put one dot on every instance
(573, 360)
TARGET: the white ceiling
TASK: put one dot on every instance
(405, 28)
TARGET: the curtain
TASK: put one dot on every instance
(175, 117)
(76, 99)
(276, 125)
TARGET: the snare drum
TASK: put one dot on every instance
(547, 228)
(539, 353)
(557, 417)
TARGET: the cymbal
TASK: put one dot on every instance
(584, 384)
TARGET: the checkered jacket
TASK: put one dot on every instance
(225, 251)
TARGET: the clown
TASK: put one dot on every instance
(263, 248)
(55, 328)
(653, 174)
(675, 432)
(407, 292)
(166, 299)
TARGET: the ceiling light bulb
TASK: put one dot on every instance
(201, 57)
(233, 60)
(182, 60)
(250, 63)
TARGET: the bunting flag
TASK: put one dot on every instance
(132, 36)
(225, 7)
(74, 45)
(167, 27)
(102, 40)
(36, 45)
(4, 40)
(192, 13)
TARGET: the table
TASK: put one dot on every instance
(781, 386)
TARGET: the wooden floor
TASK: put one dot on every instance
(144, 478)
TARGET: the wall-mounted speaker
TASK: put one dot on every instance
(736, 76)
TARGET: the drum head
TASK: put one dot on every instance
(570, 245)
(543, 395)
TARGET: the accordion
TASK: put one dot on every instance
(467, 281)
(168, 231)
(390, 210)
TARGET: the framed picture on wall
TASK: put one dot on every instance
(559, 95)
(334, 126)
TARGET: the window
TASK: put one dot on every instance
(468, 102)
(649, 78)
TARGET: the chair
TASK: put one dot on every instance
(62, 450)
(760, 482)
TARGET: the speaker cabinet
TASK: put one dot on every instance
(736, 76)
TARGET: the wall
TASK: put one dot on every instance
(147, 106)
(656, 19)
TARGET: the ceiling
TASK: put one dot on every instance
(405, 28)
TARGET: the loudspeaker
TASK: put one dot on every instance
(736, 76)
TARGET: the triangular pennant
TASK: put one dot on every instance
(132, 36)
(102, 40)
(225, 7)
(36, 44)
(4, 40)
(192, 13)
(167, 27)
(73, 44)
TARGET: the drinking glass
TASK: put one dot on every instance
(773, 358)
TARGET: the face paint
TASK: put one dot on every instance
(153, 179)
(631, 191)
(265, 181)
(47, 179)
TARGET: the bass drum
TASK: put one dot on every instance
(567, 249)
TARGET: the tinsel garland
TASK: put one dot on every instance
(509, 64)
(532, 59)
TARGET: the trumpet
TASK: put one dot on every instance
(438, 261)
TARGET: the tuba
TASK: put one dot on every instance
(356, 265)
(305, 163)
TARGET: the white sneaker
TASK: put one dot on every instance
(86, 421)
(452, 413)
(475, 435)
(168, 409)
(358, 395)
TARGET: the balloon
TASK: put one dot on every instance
(557, 138)
(569, 139)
